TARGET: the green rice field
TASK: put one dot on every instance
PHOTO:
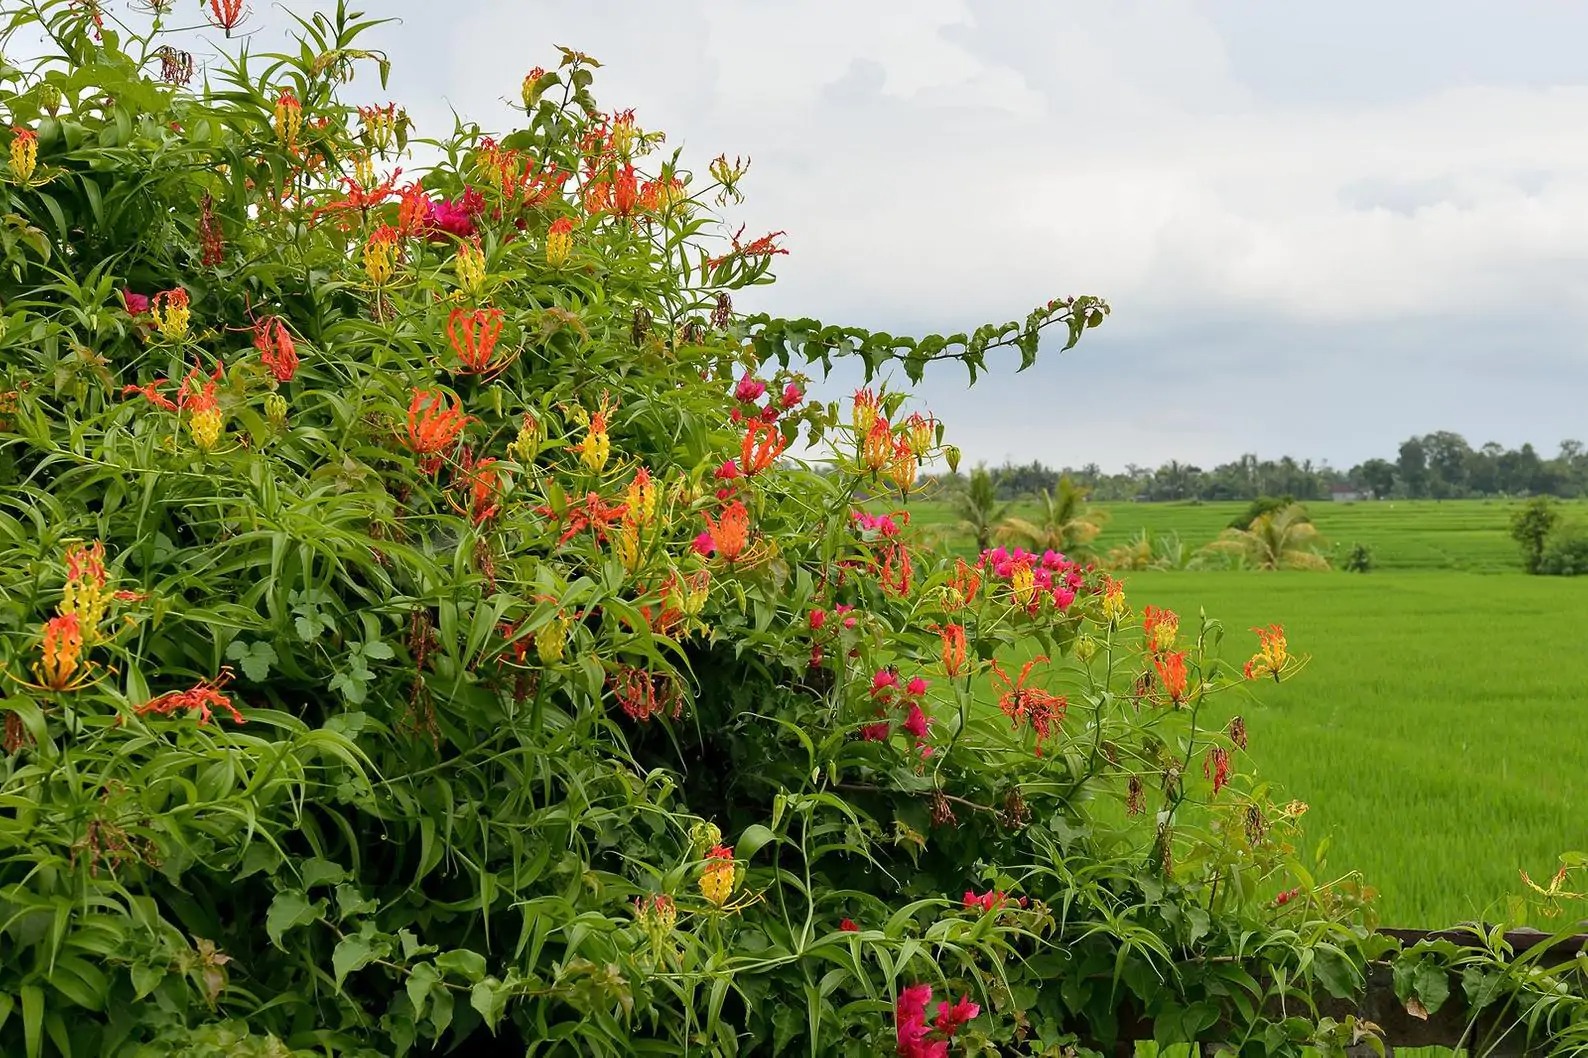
(1440, 730)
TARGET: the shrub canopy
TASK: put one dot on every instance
(417, 629)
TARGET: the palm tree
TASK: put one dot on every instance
(1063, 523)
(978, 509)
(1282, 539)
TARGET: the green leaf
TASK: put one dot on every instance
(318, 871)
(751, 841)
(255, 659)
(289, 910)
(352, 953)
(422, 980)
(489, 997)
(32, 1020)
(1432, 984)
(468, 964)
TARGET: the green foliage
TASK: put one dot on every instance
(1531, 527)
(1565, 552)
(1358, 558)
(408, 641)
(1284, 538)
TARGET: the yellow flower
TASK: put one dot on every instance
(469, 265)
(205, 427)
(531, 90)
(627, 546)
(526, 446)
(551, 639)
(1272, 653)
(86, 597)
(380, 255)
(24, 154)
(170, 313)
(559, 242)
(1114, 605)
(289, 118)
(1023, 583)
(717, 876)
(596, 447)
(641, 499)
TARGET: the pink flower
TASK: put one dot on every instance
(1062, 597)
(877, 732)
(455, 218)
(916, 687)
(885, 680)
(848, 926)
(818, 618)
(728, 471)
(951, 1018)
(769, 413)
(137, 304)
(991, 900)
(738, 415)
(749, 389)
(909, 1018)
(792, 395)
(916, 723)
(704, 545)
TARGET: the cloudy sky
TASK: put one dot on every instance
(1322, 227)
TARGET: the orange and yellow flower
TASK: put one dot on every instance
(953, 636)
(717, 876)
(1114, 605)
(433, 427)
(559, 242)
(380, 255)
(288, 118)
(474, 334)
(276, 349)
(1172, 674)
(962, 585)
(86, 597)
(170, 313)
(641, 499)
(24, 154)
(865, 412)
(1272, 653)
(762, 444)
(595, 448)
(730, 532)
(876, 446)
(1160, 627)
(61, 666)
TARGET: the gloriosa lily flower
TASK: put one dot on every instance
(717, 876)
(226, 14)
(763, 443)
(276, 349)
(559, 242)
(24, 154)
(288, 116)
(170, 312)
(433, 427)
(473, 334)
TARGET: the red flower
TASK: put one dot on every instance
(1172, 675)
(728, 471)
(137, 304)
(913, 1038)
(916, 688)
(202, 698)
(953, 636)
(473, 334)
(276, 349)
(226, 14)
(950, 1019)
(1286, 897)
(484, 484)
(877, 732)
(1042, 710)
(848, 926)
(765, 246)
(916, 723)
(625, 192)
(762, 444)
(818, 618)
(433, 427)
(884, 682)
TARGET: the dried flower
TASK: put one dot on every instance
(212, 244)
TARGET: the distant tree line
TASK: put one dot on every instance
(1438, 465)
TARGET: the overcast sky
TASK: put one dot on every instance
(1322, 227)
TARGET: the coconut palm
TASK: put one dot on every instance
(978, 510)
(1281, 539)
(1064, 523)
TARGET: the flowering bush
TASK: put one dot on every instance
(415, 632)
